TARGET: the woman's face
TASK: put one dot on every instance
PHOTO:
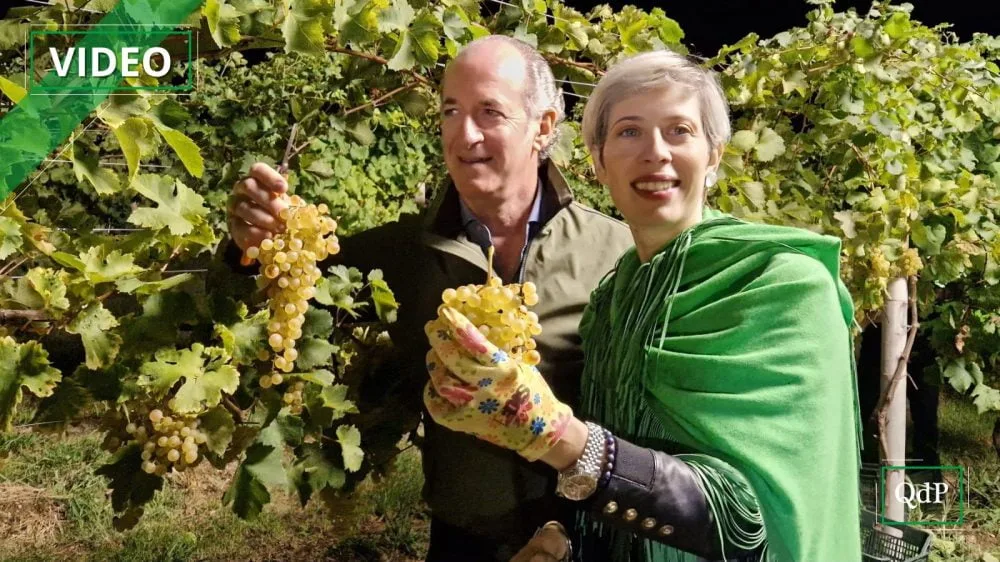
(655, 160)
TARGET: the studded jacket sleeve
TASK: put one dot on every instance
(661, 497)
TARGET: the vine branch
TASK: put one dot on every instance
(233, 408)
(381, 99)
(864, 161)
(29, 315)
(289, 150)
(332, 46)
(566, 62)
(5, 270)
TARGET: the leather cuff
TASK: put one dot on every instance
(659, 497)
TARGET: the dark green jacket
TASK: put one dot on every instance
(471, 484)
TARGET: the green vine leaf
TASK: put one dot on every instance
(363, 23)
(306, 26)
(94, 325)
(260, 468)
(769, 146)
(87, 167)
(223, 22)
(218, 426)
(397, 17)
(10, 237)
(350, 443)
(100, 266)
(186, 150)
(23, 365)
(205, 377)
(178, 207)
(137, 139)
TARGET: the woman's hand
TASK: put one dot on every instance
(476, 388)
(550, 544)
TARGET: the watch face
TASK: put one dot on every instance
(578, 486)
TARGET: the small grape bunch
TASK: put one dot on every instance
(288, 265)
(879, 265)
(293, 397)
(501, 313)
(910, 263)
(166, 442)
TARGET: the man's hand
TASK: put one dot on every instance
(549, 545)
(255, 204)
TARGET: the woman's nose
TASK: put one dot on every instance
(658, 149)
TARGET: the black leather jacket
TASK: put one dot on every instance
(657, 496)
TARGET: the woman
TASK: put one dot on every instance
(719, 362)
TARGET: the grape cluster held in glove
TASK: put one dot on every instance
(482, 366)
(500, 312)
(478, 388)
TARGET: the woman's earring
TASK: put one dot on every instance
(710, 178)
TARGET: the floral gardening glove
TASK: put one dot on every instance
(477, 388)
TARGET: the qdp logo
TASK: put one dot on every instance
(926, 494)
(80, 64)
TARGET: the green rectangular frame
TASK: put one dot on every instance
(961, 496)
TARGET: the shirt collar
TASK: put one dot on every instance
(478, 232)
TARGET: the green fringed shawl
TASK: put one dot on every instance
(731, 348)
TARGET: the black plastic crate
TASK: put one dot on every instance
(869, 486)
(880, 544)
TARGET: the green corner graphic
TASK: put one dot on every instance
(39, 124)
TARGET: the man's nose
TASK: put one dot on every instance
(471, 134)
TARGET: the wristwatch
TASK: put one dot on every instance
(580, 480)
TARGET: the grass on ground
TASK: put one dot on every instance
(53, 507)
(966, 441)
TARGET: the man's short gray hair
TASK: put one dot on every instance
(540, 91)
(648, 71)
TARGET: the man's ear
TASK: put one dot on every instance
(546, 129)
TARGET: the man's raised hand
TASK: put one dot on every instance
(254, 206)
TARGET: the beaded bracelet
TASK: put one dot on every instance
(610, 448)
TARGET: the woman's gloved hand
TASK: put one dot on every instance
(477, 388)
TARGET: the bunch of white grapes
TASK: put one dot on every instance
(288, 264)
(880, 266)
(166, 442)
(293, 397)
(501, 313)
(910, 263)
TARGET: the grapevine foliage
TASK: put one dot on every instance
(885, 133)
(873, 128)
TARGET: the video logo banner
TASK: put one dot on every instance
(123, 60)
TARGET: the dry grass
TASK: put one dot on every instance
(29, 516)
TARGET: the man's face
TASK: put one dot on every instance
(490, 141)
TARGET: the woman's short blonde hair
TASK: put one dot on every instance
(651, 70)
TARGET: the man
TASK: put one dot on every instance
(499, 111)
